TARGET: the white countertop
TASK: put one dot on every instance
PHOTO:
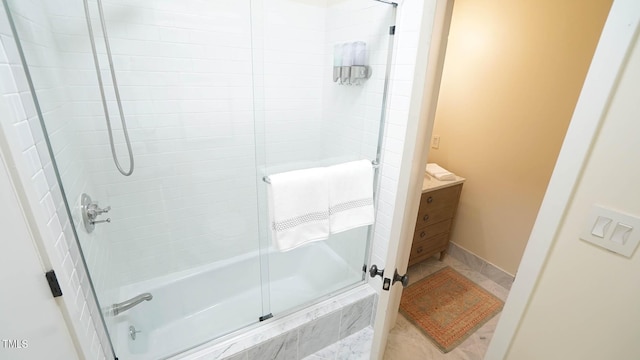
(430, 183)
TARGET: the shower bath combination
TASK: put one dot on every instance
(213, 99)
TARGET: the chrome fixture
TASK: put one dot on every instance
(358, 73)
(133, 332)
(345, 75)
(115, 87)
(90, 212)
(349, 63)
(128, 304)
(374, 163)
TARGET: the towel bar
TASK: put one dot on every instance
(374, 164)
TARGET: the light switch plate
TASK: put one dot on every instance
(435, 142)
(625, 248)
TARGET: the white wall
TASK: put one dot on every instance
(49, 68)
(585, 303)
(289, 67)
(184, 72)
(351, 114)
(186, 80)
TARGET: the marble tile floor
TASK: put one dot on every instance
(407, 342)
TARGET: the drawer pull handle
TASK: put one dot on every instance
(425, 218)
(422, 234)
(429, 199)
(419, 250)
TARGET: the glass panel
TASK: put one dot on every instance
(216, 94)
(310, 121)
(183, 226)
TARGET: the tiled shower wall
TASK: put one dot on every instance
(184, 71)
(187, 73)
(289, 39)
(48, 69)
(351, 114)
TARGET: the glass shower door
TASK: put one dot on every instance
(216, 94)
(181, 231)
(306, 119)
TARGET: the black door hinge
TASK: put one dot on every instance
(54, 285)
(392, 30)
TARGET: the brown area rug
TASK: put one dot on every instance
(448, 307)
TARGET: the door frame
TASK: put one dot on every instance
(618, 34)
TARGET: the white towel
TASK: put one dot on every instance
(350, 195)
(298, 207)
(439, 173)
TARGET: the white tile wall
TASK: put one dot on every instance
(184, 70)
(37, 43)
(351, 115)
(288, 40)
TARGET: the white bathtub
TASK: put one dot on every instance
(199, 305)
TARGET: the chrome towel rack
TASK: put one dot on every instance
(374, 164)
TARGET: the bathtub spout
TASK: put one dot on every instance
(128, 304)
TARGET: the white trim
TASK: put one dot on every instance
(608, 61)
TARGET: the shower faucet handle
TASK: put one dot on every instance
(102, 211)
(94, 210)
(90, 212)
(101, 221)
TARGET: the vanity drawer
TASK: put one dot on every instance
(433, 216)
(423, 249)
(431, 230)
(439, 205)
(440, 198)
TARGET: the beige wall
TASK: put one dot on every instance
(512, 76)
(585, 305)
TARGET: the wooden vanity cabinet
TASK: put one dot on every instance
(435, 216)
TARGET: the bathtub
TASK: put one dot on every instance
(196, 306)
